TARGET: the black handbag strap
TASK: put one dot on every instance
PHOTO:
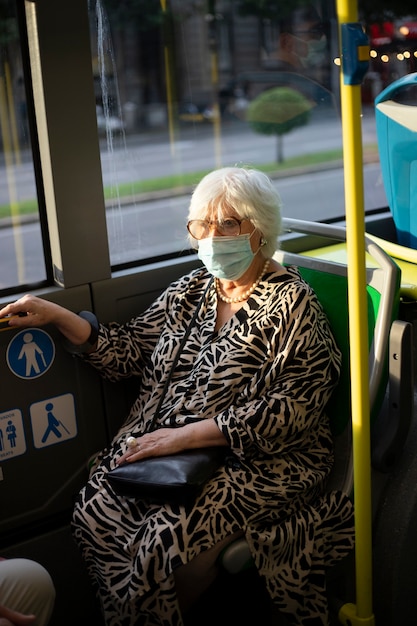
(178, 352)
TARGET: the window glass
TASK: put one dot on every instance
(184, 87)
(21, 248)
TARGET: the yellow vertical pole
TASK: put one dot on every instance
(168, 80)
(11, 179)
(216, 109)
(214, 66)
(13, 124)
(358, 322)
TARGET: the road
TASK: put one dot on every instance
(144, 229)
(149, 155)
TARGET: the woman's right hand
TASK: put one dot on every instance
(31, 311)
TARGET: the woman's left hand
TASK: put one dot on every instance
(157, 443)
(166, 441)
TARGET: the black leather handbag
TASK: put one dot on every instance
(171, 478)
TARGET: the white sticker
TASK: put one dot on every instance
(53, 420)
(12, 434)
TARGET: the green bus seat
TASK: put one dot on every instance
(324, 267)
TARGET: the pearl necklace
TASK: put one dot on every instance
(245, 295)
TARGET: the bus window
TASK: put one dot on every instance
(185, 87)
(176, 88)
(21, 246)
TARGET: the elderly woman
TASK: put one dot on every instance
(255, 375)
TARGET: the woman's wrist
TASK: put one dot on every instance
(90, 343)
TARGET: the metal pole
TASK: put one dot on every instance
(354, 60)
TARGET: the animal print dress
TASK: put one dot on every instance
(265, 378)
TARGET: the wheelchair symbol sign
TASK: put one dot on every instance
(30, 353)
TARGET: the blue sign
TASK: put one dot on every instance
(30, 353)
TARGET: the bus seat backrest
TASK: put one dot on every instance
(330, 282)
(332, 292)
(328, 276)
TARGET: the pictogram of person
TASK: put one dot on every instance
(11, 433)
(53, 424)
(29, 351)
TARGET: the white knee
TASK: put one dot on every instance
(27, 587)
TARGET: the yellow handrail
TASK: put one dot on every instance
(361, 613)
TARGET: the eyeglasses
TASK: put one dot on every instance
(227, 226)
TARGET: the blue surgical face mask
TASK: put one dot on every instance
(226, 257)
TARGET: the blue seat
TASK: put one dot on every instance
(396, 125)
